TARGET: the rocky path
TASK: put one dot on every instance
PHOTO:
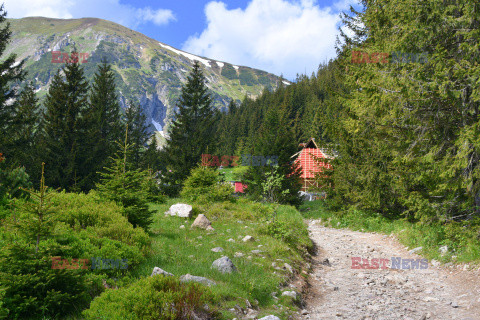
(339, 292)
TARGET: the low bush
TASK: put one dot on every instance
(71, 226)
(287, 225)
(157, 297)
(205, 185)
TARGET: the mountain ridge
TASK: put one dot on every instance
(147, 70)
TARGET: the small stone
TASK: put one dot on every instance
(325, 262)
(443, 250)
(248, 238)
(238, 254)
(224, 265)
(191, 256)
(157, 270)
(199, 237)
(288, 267)
(415, 250)
(201, 222)
(270, 317)
(218, 249)
(188, 277)
(182, 227)
(231, 240)
(256, 251)
(434, 263)
(454, 304)
(292, 294)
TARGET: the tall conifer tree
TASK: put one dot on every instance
(26, 122)
(137, 132)
(65, 105)
(103, 124)
(10, 73)
(192, 132)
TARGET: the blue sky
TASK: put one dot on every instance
(286, 37)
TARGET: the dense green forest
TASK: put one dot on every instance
(406, 131)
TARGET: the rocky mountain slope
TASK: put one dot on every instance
(148, 72)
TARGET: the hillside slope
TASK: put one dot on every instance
(147, 71)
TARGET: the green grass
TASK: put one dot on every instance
(181, 251)
(462, 238)
(235, 173)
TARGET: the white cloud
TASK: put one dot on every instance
(158, 17)
(278, 36)
(112, 10)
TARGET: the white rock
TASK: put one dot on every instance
(443, 250)
(415, 250)
(180, 210)
(224, 265)
(435, 263)
(288, 267)
(188, 277)
(157, 270)
(270, 318)
(292, 294)
(248, 238)
(218, 249)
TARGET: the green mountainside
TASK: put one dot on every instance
(148, 72)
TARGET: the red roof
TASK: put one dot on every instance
(308, 164)
(240, 187)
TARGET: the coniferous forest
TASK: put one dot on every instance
(81, 177)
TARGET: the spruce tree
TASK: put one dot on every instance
(64, 134)
(192, 132)
(127, 186)
(151, 157)
(137, 132)
(275, 138)
(102, 124)
(10, 74)
(26, 122)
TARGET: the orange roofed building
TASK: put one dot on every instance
(310, 167)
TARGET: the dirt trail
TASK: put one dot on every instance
(339, 292)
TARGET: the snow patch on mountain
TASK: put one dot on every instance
(220, 64)
(188, 55)
(158, 126)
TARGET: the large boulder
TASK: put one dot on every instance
(180, 210)
(202, 222)
(224, 265)
(188, 277)
(157, 270)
